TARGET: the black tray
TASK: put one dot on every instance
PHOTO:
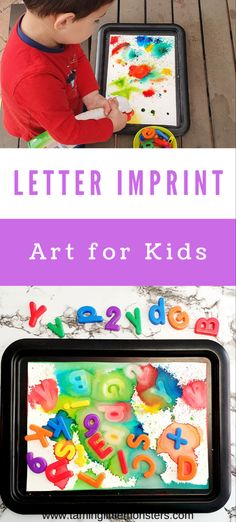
(14, 428)
(182, 96)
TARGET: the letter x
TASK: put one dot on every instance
(177, 438)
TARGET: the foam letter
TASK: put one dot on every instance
(58, 473)
(144, 458)
(135, 320)
(40, 434)
(136, 443)
(65, 450)
(97, 444)
(181, 321)
(160, 310)
(35, 314)
(207, 326)
(187, 468)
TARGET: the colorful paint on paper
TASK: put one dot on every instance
(107, 425)
(142, 69)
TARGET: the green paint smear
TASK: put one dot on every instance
(125, 89)
(160, 49)
(186, 485)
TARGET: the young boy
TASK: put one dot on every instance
(46, 77)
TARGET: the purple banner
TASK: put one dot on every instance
(117, 252)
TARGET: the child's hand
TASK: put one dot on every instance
(118, 119)
(94, 100)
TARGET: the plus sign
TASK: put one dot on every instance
(177, 438)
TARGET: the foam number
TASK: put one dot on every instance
(88, 315)
(207, 326)
(157, 313)
(115, 313)
(58, 473)
(145, 458)
(135, 320)
(36, 464)
(177, 318)
(91, 423)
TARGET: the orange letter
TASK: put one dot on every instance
(182, 319)
(144, 458)
(96, 483)
(187, 468)
(136, 443)
(40, 434)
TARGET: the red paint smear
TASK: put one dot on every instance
(147, 379)
(45, 394)
(114, 40)
(119, 47)
(149, 93)
(139, 71)
(195, 394)
(129, 115)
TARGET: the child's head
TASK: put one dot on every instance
(71, 21)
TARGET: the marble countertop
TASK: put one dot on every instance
(63, 302)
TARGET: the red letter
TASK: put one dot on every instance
(97, 444)
(35, 314)
(58, 473)
(207, 326)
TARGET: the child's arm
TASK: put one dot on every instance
(45, 99)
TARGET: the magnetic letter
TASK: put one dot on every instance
(160, 310)
(187, 468)
(136, 443)
(135, 320)
(207, 326)
(144, 458)
(181, 321)
(97, 444)
(58, 473)
(35, 314)
(40, 434)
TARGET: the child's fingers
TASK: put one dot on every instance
(107, 107)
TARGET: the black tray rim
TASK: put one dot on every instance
(93, 348)
(105, 29)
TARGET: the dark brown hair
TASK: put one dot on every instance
(80, 8)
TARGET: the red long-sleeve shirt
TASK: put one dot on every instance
(42, 89)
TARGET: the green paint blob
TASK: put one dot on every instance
(160, 49)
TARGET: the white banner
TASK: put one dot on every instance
(117, 183)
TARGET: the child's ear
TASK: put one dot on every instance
(63, 21)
